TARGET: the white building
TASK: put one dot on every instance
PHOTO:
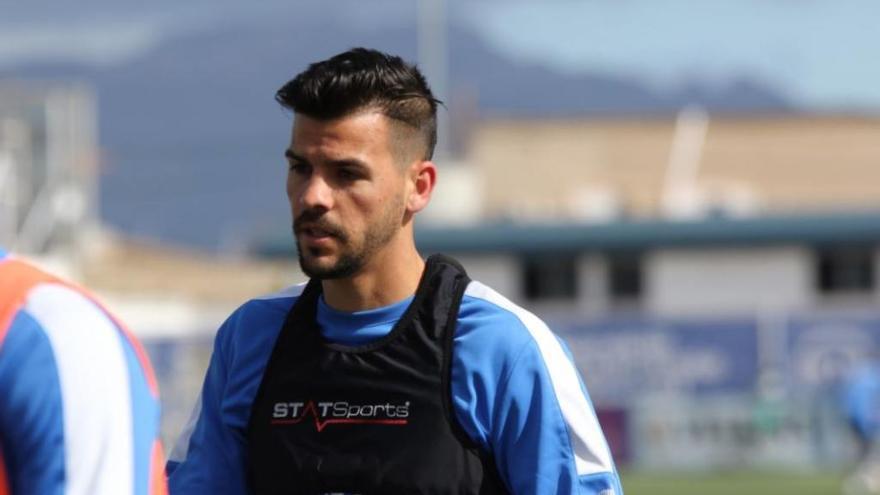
(713, 266)
(48, 166)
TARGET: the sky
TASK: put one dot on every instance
(821, 53)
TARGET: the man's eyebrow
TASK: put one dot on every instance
(342, 162)
(348, 162)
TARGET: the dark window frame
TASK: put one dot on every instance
(550, 276)
(845, 269)
(626, 276)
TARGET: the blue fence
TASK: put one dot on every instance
(622, 358)
(673, 392)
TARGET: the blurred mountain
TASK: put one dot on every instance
(193, 139)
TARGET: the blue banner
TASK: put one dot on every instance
(824, 348)
(622, 359)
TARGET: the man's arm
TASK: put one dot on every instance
(546, 435)
(518, 394)
(209, 456)
(546, 439)
(78, 414)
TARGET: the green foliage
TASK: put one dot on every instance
(731, 483)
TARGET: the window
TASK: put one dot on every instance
(550, 277)
(845, 269)
(624, 277)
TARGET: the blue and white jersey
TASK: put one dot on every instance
(515, 391)
(79, 407)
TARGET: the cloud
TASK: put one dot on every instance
(818, 52)
(95, 43)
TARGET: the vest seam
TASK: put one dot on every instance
(446, 369)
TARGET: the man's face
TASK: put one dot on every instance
(346, 192)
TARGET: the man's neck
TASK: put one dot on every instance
(388, 278)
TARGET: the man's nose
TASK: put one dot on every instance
(316, 193)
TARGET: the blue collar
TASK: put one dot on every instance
(359, 327)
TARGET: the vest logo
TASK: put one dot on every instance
(328, 413)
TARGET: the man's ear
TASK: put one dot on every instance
(422, 176)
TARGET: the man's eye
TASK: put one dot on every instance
(299, 168)
(348, 174)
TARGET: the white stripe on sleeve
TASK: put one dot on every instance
(590, 449)
(95, 391)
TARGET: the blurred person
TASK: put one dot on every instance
(79, 406)
(385, 373)
(861, 406)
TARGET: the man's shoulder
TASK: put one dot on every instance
(261, 314)
(63, 311)
(489, 316)
(482, 301)
(270, 305)
(291, 292)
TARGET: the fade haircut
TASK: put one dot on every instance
(365, 79)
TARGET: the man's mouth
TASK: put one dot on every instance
(316, 232)
(313, 233)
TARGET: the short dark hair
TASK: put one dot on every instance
(363, 78)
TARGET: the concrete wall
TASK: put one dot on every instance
(701, 281)
(499, 271)
(684, 281)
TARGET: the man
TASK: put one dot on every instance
(79, 407)
(861, 407)
(385, 373)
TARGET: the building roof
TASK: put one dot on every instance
(815, 229)
(751, 163)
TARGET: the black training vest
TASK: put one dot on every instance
(371, 419)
